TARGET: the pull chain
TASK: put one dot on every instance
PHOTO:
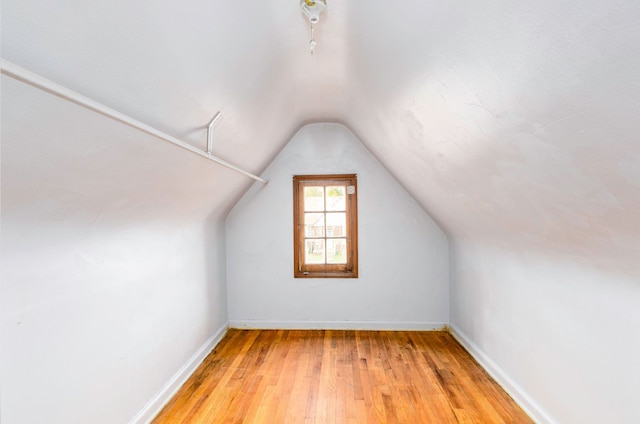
(312, 43)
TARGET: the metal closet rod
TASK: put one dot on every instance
(35, 80)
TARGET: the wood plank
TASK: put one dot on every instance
(331, 376)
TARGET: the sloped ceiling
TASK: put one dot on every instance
(514, 123)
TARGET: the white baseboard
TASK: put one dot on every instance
(516, 392)
(336, 325)
(155, 405)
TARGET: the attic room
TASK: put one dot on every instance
(147, 156)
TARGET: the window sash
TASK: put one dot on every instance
(349, 269)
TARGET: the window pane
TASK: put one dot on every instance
(314, 225)
(336, 198)
(314, 251)
(314, 198)
(337, 251)
(336, 224)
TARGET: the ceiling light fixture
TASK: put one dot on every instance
(312, 9)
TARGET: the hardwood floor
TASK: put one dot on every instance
(332, 376)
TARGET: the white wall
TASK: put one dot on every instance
(566, 333)
(112, 262)
(403, 255)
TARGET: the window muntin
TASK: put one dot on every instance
(325, 226)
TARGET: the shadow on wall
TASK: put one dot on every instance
(215, 263)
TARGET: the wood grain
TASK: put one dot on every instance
(340, 376)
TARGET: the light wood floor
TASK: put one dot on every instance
(340, 377)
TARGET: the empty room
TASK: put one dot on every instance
(320, 211)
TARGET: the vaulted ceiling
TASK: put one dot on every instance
(514, 123)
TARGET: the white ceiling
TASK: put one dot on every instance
(511, 122)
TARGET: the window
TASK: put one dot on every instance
(325, 226)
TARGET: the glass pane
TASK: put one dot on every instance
(314, 225)
(336, 224)
(336, 198)
(314, 251)
(337, 251)
(314, 198)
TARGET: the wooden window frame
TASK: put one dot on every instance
(348, 270)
